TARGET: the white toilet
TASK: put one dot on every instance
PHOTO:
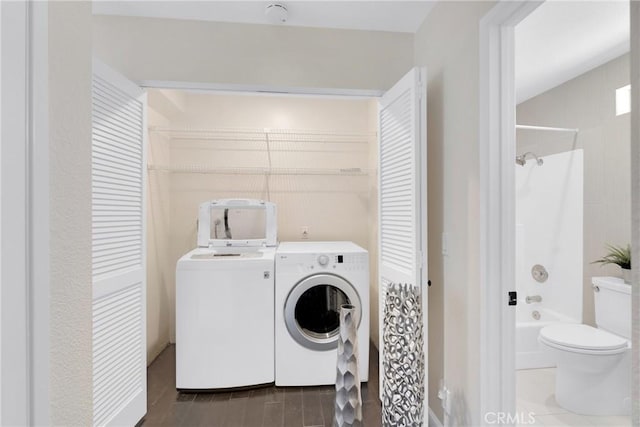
(593, 375)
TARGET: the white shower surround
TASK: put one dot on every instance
(549, 232)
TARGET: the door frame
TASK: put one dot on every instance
(497, 206)
(260, 89)
(635, 208)
(24, 340)
(497, 181)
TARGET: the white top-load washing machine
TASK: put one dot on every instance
(225, 298)
(313, 279)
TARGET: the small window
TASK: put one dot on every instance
(623, 100)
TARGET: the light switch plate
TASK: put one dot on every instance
(445, 244)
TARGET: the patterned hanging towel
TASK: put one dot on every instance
(348, 405)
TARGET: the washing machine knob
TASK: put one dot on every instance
(323, 260)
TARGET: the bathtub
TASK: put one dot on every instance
(529, 353)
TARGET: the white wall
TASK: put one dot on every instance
(588, 103)
(159, 297)
(332, 207)
(197, 51)
(70, 202)
(373, 228)
(447, 44)
(549, 212)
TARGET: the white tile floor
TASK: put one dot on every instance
(535, 395)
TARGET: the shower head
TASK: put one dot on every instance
(522, 160)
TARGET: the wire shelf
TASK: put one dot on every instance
(268, 140)
(264, 135)
(194, 169)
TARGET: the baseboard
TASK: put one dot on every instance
(433, 419)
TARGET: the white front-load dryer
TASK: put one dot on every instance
(313, 279)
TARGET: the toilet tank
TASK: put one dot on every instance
(612, 300)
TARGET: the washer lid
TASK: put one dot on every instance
(583, 337)
(237, 223)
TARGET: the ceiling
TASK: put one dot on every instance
(561, 40)
(396, 16)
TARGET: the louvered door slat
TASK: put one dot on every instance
(109, 148)
(112, 157)
(101, 169)
(108, 130)
(118, 255)
(108, 138)
(119, 117)
(106, 201)
(121, 234)
(106, 166)
(105, 88)
(116, 231)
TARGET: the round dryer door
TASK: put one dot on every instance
(312, 310)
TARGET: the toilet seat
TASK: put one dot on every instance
(584, 339)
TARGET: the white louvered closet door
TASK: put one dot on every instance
(119, 308)
(402, 193)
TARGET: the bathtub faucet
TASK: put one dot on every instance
(533, 298)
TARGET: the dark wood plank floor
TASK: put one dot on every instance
(263, 407)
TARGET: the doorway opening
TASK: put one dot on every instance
(551, 168)
(314, 156)
(573, 202)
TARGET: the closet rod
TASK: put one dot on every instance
(547, 128)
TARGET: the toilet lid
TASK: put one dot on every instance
(582, 337)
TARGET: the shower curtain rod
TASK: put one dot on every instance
(547, 128)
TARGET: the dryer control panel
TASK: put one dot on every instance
(307, 258)
(340, 262)
(336, 262)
